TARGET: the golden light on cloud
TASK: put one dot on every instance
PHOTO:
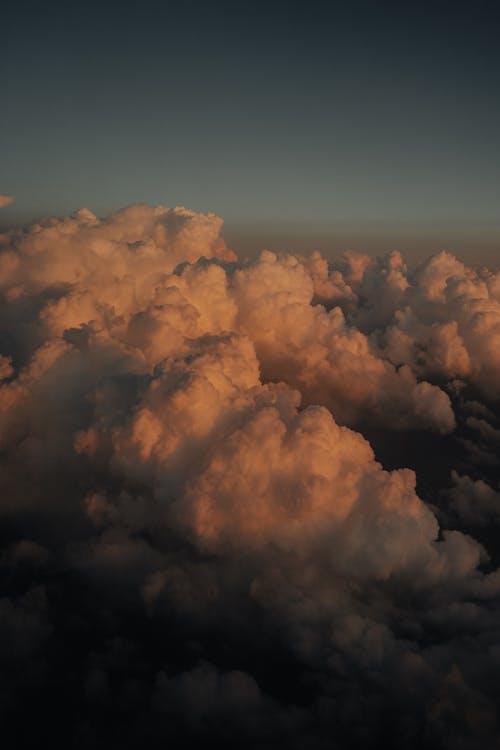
(186, 434)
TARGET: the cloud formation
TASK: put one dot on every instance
(195, 519)
(6, 200)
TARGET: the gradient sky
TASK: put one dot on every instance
(358, 124)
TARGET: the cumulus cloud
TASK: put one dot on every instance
(328, 360)
(6, 200)
(442, 319)
(195, 519)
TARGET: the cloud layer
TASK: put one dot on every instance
(212, 528)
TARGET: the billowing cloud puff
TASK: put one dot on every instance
(329, 361)
(442, 319)
(196, 530)
(474, 502)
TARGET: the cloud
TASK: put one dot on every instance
(442, 319)
(328, 360)
(6, 200)
(246, 503)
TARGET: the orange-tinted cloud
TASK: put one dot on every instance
(183, 460)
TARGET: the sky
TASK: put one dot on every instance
(362, 125)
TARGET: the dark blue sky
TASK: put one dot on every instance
(330, 124)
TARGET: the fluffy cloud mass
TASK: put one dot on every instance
(254, 504)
